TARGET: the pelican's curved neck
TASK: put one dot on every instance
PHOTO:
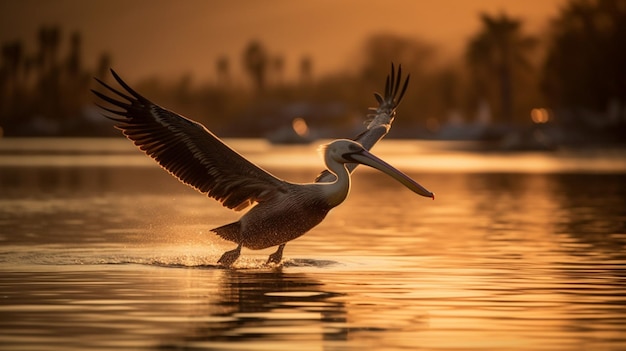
(337, 191)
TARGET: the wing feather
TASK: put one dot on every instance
(188, 150)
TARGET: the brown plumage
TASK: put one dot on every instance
(282, 211)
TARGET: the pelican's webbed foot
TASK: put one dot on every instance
(229, 257)
(277, 256)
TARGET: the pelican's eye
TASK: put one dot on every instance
(354, 148)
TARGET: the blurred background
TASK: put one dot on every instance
(520, 251)
(534, 74)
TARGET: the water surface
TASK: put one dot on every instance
(101, 249)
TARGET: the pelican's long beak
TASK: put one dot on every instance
(367, 158)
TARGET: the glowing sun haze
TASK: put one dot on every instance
(170, 38)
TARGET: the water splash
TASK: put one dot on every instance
(166, 257)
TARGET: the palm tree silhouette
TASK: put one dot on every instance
(494, 55)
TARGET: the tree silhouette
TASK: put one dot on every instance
(12, 57)
(49, 72)
(306, 70)
(278, 69)
(10, 81)
(222, 66)
(586, 61)
(104, 63)
(255, 63)
(416, 57)
(49, 42)
(73, 64)
(381, 49)
(494, 54)
(44, 92)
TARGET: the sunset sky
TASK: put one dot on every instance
(169, 38)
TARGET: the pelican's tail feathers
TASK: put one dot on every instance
(231, 232)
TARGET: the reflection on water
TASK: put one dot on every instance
(117, 255)
(267, 307)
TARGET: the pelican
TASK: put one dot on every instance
(280, 210)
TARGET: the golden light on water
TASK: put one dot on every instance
(537, 248)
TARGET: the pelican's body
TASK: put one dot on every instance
(280, 219)
(282, 210)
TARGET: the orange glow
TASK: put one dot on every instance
(539, 115)
(300, 127)
(171, 39)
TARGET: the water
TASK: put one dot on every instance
(102, 250)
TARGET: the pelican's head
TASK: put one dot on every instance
(344, 151)
(341, 149)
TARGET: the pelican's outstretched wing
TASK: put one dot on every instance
(382, 117)
(188, 150)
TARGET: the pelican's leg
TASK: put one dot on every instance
(229, 257)
(277, 256)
